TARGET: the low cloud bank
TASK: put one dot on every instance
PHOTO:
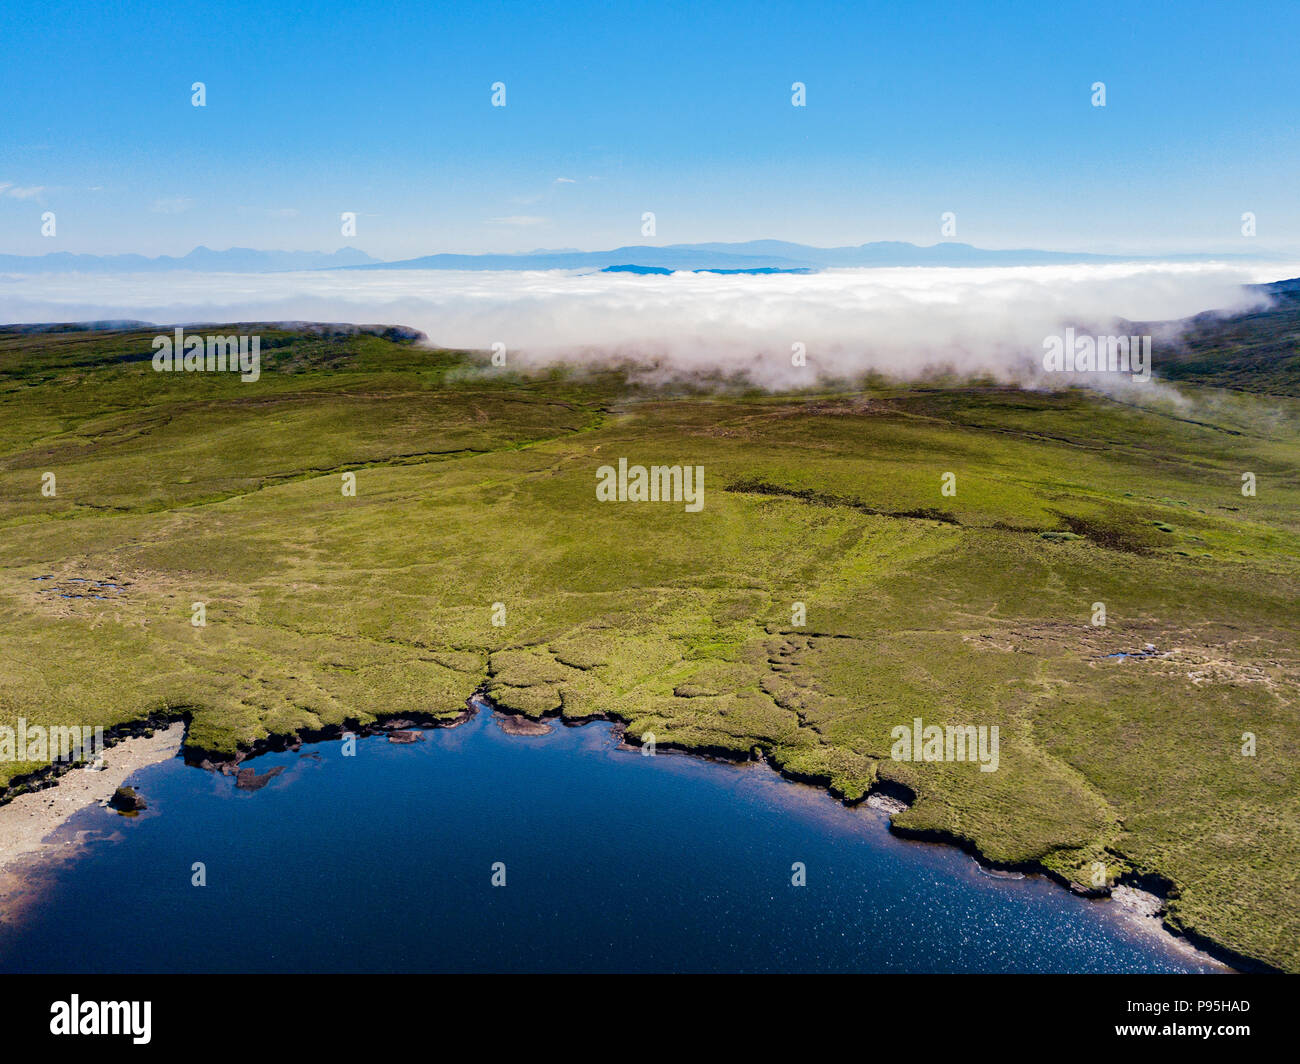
(902, 322)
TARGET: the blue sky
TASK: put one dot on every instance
(618, 108)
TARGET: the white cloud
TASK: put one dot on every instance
(19, 192)
(172, 205)
(902, 322)
(519, 220)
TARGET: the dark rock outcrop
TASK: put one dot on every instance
(249, 780)
(402, 736)
(126, 800)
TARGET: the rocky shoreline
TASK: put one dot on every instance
(1141, 897)
(30, 816)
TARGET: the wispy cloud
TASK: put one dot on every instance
(19, 191)
(269, 212)
(519, 220)
(172, 205)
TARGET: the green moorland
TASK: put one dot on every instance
(475, 486)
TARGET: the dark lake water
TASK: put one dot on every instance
(613, 862)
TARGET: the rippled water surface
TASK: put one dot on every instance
(383, 861)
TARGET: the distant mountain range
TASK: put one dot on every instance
(201, 259)
(752, 256)
(665, 270)
(768, 255)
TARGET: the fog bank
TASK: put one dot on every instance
(904, 322)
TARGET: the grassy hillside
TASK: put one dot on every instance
(476, 487)
(1256, 352)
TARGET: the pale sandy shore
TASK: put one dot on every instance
(1142, 910)
(27, 820)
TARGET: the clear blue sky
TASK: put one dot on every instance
(617, 108)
